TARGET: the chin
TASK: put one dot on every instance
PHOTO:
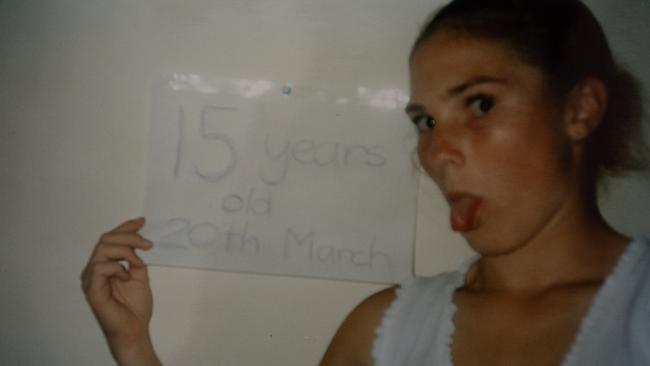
(490, 244)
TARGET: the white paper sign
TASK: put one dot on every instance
(256, 176)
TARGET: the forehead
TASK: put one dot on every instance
(448, 59)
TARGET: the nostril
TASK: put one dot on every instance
(444, 150)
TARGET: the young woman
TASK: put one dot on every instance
(521, 110)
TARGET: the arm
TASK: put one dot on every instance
(352, 344)
(121, 299)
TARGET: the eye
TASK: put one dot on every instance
(424, 123)
(481, 104)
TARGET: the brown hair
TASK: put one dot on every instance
(564, 40)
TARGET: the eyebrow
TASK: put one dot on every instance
(458, 89)
(481, 79)
(413, 108)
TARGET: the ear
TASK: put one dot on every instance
(586, 108)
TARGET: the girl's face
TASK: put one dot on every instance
(492, 138)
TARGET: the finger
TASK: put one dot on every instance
(115, 252)
(96, 283)
(139, 274)
(133, 240)
(132, 225)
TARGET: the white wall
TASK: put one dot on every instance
(75, 81)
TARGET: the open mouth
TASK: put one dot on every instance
(465, 211)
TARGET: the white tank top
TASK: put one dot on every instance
(417, 328)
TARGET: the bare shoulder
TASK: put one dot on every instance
(352, 344)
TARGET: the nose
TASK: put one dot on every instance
(440, 149)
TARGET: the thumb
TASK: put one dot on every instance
(139, 273)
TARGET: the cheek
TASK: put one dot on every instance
(528, 138)
(429, 158)
(523, 162)
(423, 148)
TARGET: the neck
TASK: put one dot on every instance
(576, 246)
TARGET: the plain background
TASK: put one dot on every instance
(75, 79)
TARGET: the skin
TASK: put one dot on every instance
(121, 299)
(500, 134)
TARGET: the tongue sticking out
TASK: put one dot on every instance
(464, 213)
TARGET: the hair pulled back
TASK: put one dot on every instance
(565, 41)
